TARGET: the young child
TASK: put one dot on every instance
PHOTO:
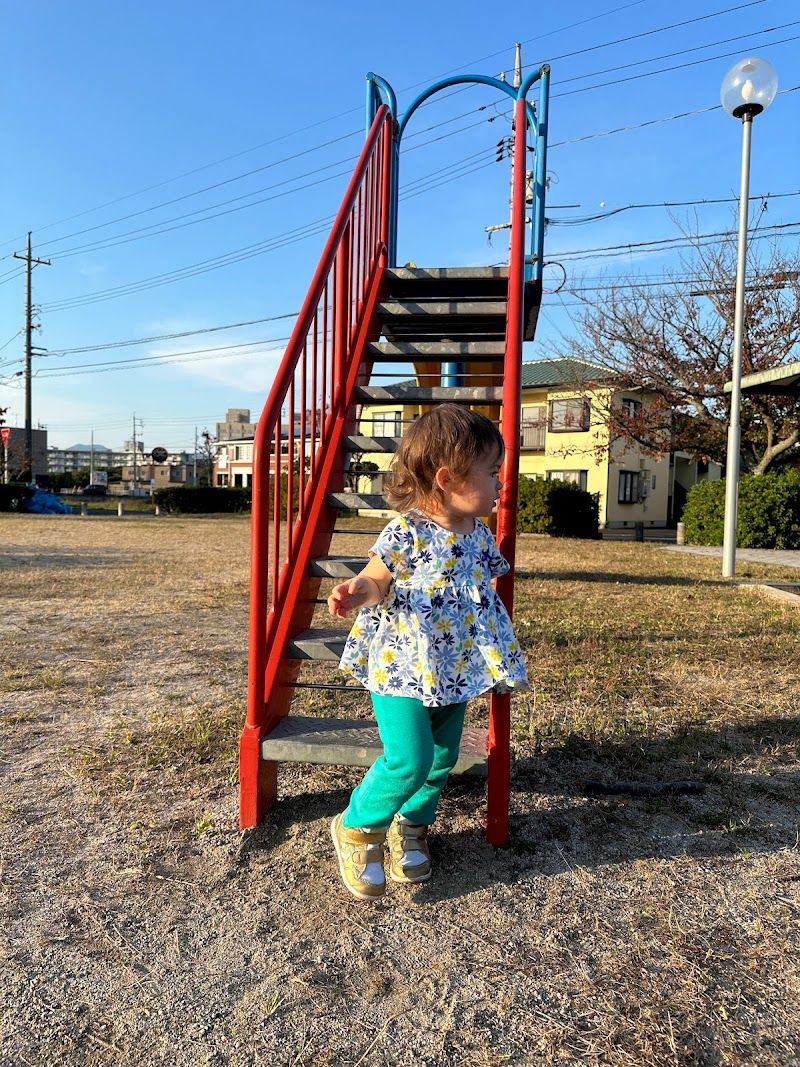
(431, 633)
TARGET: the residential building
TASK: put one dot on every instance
(564, 435)
(15, 459)
(80, 456)
(237, 425)
(234, 463)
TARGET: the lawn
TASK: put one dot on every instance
(139, 926)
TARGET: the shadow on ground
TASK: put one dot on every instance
(556, 825)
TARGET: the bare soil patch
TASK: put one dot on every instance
(138, 926)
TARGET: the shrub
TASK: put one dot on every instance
(768, 515)
(558, 508)
(182, 499)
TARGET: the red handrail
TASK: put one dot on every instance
(293, 450)
(499, 738)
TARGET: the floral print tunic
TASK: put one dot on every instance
(441, 634)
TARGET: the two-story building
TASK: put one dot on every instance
(565, 435)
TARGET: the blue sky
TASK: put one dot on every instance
(118, 119)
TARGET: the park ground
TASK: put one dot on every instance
(139, 926)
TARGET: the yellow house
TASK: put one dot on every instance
(565, 435)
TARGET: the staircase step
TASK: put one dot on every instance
(429, 394)
(449, 309)
(448, 282)
(440, 274)
(446, 351)
(338, 566)
(371, 444)
(351, 743)
(355, 501)
(443, 320)
(318, 644)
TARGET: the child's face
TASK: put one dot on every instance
(477, 494)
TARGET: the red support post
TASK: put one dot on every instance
(499, 740)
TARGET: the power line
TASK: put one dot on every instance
(600, 216)
(567, 55)
(681, 52)
(665, 70)
(673, 242)
(197, 355)
(166, 336)
(164, 227)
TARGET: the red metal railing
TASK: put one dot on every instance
(499, 739)
(298, 456)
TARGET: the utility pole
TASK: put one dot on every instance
(29, 327)
(194, 466)
(504, 145)
(135, 451)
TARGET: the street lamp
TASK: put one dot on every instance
(748, 88)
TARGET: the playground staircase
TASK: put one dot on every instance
(363, 324)
(439, 320)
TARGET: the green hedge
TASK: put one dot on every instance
(768, 516)
(558, 508)
(13, 494)
(183, 499)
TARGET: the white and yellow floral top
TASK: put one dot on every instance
(441, 634)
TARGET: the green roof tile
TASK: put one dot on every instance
(541, 373)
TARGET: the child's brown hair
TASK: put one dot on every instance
(447, 436)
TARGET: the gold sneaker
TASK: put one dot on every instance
(355, 850)
(405, 837)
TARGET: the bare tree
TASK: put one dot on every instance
(674, 343)
(207, 455)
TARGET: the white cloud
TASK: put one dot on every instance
(248, 369)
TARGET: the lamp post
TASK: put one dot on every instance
(747, 89)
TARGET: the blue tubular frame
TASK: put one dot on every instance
(379, 91)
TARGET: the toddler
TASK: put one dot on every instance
(431, 633)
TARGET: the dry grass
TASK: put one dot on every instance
(139, 927)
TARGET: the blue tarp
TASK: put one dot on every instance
(43, 503)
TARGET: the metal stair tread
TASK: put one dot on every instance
(337, 566)
(318, 644)
(446, 273)
(406, 351)
(359, 443)
(429, 393)
(354, 501)
(352, 743)
(433, 308)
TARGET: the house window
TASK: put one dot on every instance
(249, 481)
(632, 408)
(237, 452)
(386, 424)
(533, 428)
(237, 479)
(569, 416)
(628, 487)
(222, 479)
(578, 478)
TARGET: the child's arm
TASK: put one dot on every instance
(367, 588)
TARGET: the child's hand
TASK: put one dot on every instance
(351, 595)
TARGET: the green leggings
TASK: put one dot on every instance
(420, 748)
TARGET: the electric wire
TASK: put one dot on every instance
(567, 55)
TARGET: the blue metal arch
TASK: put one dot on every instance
(380, 91)
(460, 79)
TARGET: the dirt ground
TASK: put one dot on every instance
(138, 926)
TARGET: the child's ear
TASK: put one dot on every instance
(444, 479)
